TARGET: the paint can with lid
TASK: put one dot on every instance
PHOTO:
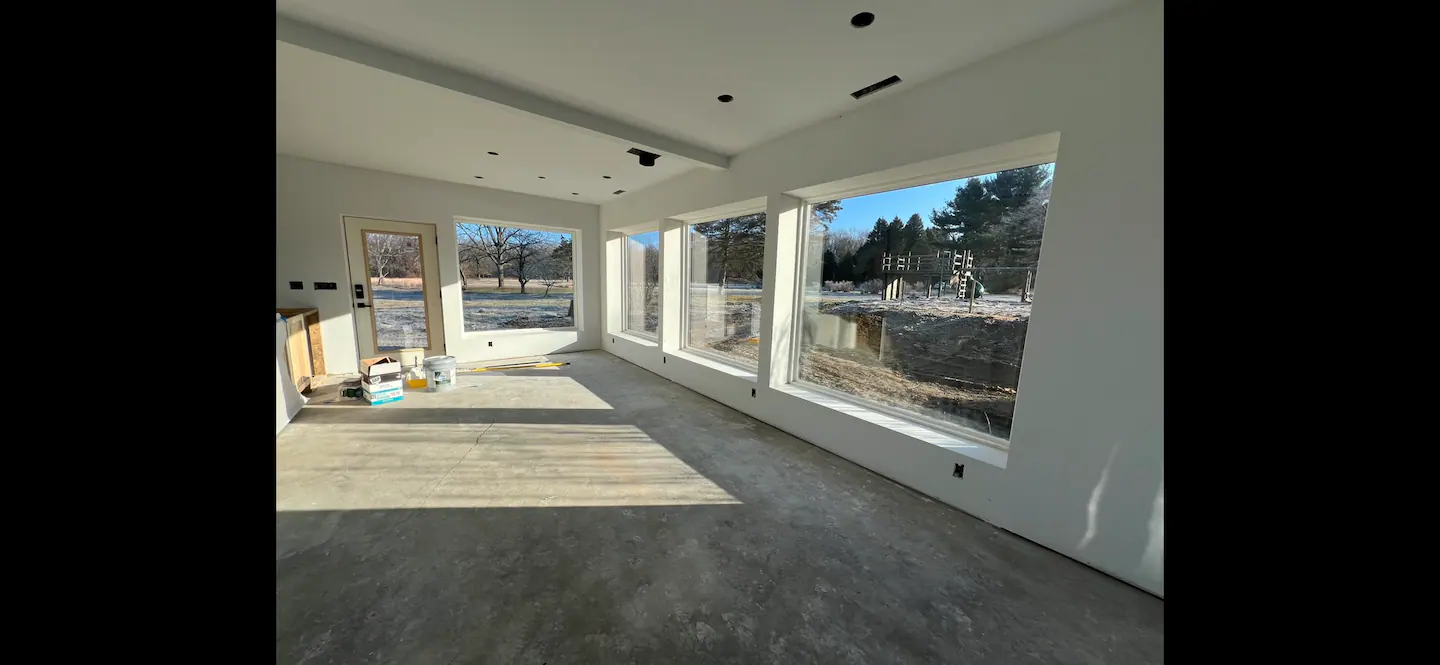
(440, 373)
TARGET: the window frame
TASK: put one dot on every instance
(625, 297)
(685, 281)
(793, 380)
(575, 277)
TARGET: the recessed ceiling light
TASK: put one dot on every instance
(605, 177)
(480, 177)
(542, 177)
(862, 19)
(726, 99)
(495, 153)
(574, 193)
(618, 191)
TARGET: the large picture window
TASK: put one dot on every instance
(926, 314)
(642, 283)
(724, 262)
(513, 278)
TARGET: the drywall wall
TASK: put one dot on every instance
(1085, 471)
(311, 198)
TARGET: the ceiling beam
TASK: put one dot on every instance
(324, 41)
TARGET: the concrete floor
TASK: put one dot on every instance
(597, 513)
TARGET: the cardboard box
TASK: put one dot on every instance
(386, 400)
(379, 366)
(372, 379)
(384, 390)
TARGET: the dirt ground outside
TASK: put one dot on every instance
(931, 356)
(400, 308)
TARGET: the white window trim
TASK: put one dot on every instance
(798, 315)
(684, 344)
(947, 429)
(575, 278)
(636, 339)
(717, 362)
(968, 434)
(846, 406)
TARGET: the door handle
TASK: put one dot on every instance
(361, 304)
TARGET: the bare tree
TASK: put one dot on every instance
(391, 255)
(527, 252)
(558, 266)
(480, 242)
(844, 242)
(651, 282)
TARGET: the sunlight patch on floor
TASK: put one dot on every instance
(510, 466)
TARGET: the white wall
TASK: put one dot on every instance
(1085, 471)
(311, 198)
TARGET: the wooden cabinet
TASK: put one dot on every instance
(304, 353)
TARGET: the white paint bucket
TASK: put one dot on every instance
(440, 373)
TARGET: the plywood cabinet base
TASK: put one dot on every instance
(304, 351)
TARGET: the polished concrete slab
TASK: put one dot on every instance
(596, 513)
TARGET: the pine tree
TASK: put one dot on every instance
(965, 215)
(735, 247)
(562, 251)
(986, 215)
(916, 241)
(895, 236)
(878, 234)
(824, 213)
(868, 258)
(1000, 219)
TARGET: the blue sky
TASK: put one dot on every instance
(862, 211)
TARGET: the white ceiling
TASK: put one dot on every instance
(334, 110)
(659, 64)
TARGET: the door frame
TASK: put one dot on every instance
(429, 260)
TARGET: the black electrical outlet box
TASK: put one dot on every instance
(297, 285)
(324, 286)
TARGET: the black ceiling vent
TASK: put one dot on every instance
(646, 158)
(875, 87)
(618, 191)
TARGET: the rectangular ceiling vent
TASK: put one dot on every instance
(618, 191)
(875, 87)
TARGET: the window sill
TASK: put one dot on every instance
(717, 365)
(472, 334)
(979, 452)
(637, 339)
